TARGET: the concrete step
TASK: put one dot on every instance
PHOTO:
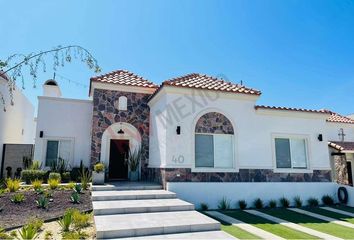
(143, 224)
(126, 186)
(131, 195)
(208, 235)
(140, 206)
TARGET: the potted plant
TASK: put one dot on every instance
(133, 162)
(98, 174)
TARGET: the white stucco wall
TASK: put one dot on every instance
(254, 129)
(211, 192)
(17, 123)
(62, 118)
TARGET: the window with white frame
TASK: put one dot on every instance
(213, 151)
(291, 153)
(58, 149)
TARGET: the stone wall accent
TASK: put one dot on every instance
(214, 122)
(13, 157)
(341, 171)
(244, 175)
(105, 113)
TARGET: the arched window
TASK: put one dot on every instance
(122, 103)
(214, 142)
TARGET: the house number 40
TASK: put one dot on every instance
(178, 159)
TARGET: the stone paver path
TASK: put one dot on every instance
(324, 218)
(338, 211)
(293, 225)
(245, 226)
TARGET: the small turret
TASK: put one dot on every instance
(51, 89)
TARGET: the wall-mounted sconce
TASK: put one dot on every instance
(120, 131)
(41, 134)
(320, 137)
(178, 130)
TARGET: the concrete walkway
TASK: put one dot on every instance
(324, 218)
(338, 211)
(293, 225)
(145, 211)
(245, 226)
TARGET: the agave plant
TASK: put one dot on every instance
(133, 159)
(66, 221)
(75, 198)
(28, 232)
(42, 202)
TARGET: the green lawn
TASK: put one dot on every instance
(234, 231)
(331, 214)
(310, 222)
(267, 225)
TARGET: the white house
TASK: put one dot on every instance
(16, 126)
(196, 132)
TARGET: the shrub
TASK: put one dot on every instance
(74, 235)
(297, 202)
(85, 178)
(65, 177)
(28, 232)
(204, 206)
(36, 223)
(78, 188)
(13, 185)
(258, 203)
(18, 198)
(224, 204)
(312, 202)
(60, 166)
(327, 200)
(54, 175)
(66, 220)
(242, 204)
(37, 184)
(80, 220)
(30, 175)
(42, 202)
(284, 202)
(70, 185)
(99, 167)
(36, 165)
(53, 183)
(272, 203)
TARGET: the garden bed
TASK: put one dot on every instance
(14, 215)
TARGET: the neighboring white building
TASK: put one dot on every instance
(195, 132)
(17, 124)
(63, 128)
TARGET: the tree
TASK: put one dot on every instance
(15, 65)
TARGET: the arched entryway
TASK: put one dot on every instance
(117, 139)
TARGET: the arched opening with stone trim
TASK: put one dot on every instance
(214, 143)
(117, 139)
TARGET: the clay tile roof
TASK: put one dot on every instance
(199, 81)
(342, 146)
(337, 118)
(291, 109)
(124, 77)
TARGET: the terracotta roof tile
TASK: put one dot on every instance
(337, 118)
(123, 77)
(342, 146)
(291, 109)
(200, 81)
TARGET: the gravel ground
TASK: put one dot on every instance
(15, 215)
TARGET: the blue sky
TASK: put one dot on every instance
(298, 53)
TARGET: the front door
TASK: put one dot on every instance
(118, 170)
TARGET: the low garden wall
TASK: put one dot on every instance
(212, 192)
